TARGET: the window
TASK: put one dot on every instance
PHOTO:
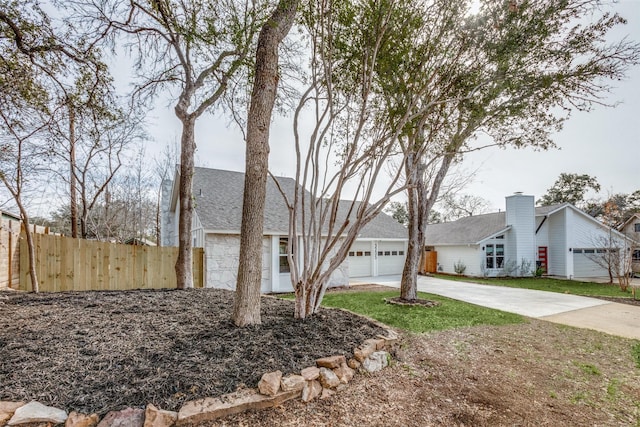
(400, 252)
(636, 227)
(380, 253)
(367, 253)
(636, 255)
(282, 255)
(494, 254)
(387, 253)
(394, 253)
(352, 253)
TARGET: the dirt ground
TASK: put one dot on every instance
(109, 350)
(532, 374)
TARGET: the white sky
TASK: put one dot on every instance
(604, 143)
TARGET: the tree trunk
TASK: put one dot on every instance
(421, 201)
(308, 298)
(246, 309)
(35, 285)
(72, 166)
(184, 265)
(409, 282)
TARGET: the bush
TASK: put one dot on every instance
(459, 267)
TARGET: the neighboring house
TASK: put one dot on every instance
(631, 229)
(380, 248)
(561, 239)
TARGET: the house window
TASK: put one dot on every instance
(282, 255)
(636, 255)
(494, 254)
(636, 227)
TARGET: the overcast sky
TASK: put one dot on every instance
(604, 143)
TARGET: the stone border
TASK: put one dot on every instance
(331, 374)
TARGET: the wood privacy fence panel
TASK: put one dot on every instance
(67, 264)
(9, 253)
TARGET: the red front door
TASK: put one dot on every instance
(542, 258)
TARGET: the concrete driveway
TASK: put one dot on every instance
(583, 312)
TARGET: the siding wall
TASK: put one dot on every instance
(587, 234)
(521, 241)
(471, 256)
(558, 248)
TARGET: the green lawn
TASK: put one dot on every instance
(448, 315)
(546, 284)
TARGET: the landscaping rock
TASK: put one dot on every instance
(354, 364)
(311, 373)
(130, 417)
(330, 362)
(292, 382)
(311, 390)
(198, 411)
(391, 338)
(76, 419)
(365, 350)
(328, 378)
(7, 409)
(344, 373)
(269, 384)
(376, 361)
(35, 412)
(154, 417)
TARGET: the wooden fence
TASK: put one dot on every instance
(67, 264)
(9, 253)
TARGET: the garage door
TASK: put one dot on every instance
(360, 259)
(584, 264)
(390, 258)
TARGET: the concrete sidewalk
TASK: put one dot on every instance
(592, 313)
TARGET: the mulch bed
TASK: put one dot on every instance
(102, 351)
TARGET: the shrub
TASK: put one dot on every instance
(459, 267)
(526, 267)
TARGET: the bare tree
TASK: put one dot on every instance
(246, 308)
(200, 47)
(454, 206)
(164, 168)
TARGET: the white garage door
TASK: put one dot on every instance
(390, 258)
(360, 259)
(584, 264)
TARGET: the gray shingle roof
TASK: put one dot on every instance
(466, 230)
(473, 229)
(218, 202)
